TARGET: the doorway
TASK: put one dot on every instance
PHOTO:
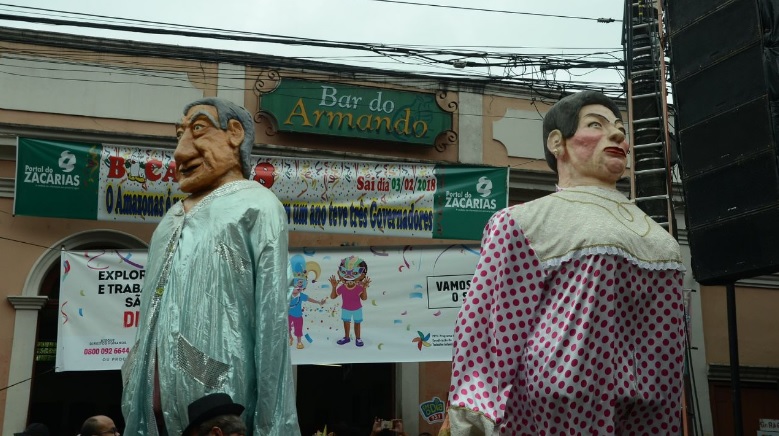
(346, 398)
(64, 400)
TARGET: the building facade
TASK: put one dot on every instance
(91, 90)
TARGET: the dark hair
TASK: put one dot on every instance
(228, 423)
(564, 116)
(227, 110)
(90, 427)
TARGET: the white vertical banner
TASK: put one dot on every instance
(99, 308)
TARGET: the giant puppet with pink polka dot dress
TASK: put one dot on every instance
(573, 321)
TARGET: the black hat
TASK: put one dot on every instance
(34, 429)
(211, 406)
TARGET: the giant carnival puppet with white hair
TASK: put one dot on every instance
(573, 321)
(215, 296)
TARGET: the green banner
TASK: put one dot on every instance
(56, 179)
(466, 198)
(355, 111)
(117, 183)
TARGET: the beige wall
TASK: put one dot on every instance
(495, 152)
(7, 316)
(105, 86)
(758, 325)
(18, 258)
(434, 378)
(89, 124)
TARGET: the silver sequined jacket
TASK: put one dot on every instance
(214, 312)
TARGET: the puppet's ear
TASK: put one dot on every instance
(555, 142)
(235, 133)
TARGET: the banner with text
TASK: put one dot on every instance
(118, 183)
(99, 308)
(391, 199)
(408, 312)
(412, 297)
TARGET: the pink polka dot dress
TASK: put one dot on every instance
(572, 324)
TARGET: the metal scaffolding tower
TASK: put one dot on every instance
(646, 83)
(647, 89)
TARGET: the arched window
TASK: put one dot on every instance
(63, 400)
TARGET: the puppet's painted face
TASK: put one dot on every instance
(598, 149)
(206, 156)
(352, 269)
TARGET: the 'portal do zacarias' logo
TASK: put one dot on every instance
(67, 161)
(484, 186)
(466, 200)
(45, 175)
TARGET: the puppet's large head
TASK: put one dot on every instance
(230, 118)
(564, 116)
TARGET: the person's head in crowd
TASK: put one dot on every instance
(99, 425)
(34, 429)
(215, 415)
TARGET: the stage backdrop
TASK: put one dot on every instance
(118, 183)
(408, 315)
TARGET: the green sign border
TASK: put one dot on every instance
(336, 109)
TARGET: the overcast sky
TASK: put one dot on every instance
(370, 21)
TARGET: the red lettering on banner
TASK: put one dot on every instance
(115, 167)
(170, 173)
(131, 318)
(151, 166)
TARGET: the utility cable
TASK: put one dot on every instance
(217, 33)
(27, 379)
(600, 20)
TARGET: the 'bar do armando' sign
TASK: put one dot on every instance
(303, 106)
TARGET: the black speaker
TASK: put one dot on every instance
(724, 79)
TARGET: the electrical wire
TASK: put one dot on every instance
(430, 56)
(600, 20)
(27, 379)
(27, 243)
(542, 64)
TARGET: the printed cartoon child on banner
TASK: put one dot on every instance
(394, 304)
